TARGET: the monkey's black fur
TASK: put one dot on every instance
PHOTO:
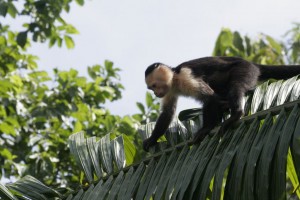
(151, 68)
(229, 78)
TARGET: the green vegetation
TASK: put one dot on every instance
(38, 122)
(38, 112)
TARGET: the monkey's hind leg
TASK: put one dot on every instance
(235, 99)
(212, 116)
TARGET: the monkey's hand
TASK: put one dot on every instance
(148, 143)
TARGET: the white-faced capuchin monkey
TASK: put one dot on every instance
(218, 82)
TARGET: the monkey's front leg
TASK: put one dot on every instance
(160, 128)
(163, 121)
(212, 116)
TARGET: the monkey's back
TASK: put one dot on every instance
(221, 73)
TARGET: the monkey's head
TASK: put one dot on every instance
(159, 79)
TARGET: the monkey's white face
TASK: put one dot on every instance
(160, 81)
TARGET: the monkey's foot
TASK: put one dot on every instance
(199, 137)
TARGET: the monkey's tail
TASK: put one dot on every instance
(278, 71)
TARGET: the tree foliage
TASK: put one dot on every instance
(263, 49)
(148, 112)
(44, 20)
(38, 112)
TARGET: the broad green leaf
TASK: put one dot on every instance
(81, 81)
(39, 75)
(78, 126)
(80, 2)
(5, 85)
(7, 129)
(12, 10)
(69, 42)
(238, 42)
(59, 41)
(3, 40)
(130, 150)
(6, 154)
(52, 42)
(226, 38)
(22, 38)
(16, 80)
(149, 99)
(108, 65)
(248, 46)
(71, 29)
(141, 107)
(3, 9)
(274, 44)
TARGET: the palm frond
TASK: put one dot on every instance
(28, 188)
(248, 162)
(259, 159)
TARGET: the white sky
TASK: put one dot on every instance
(136, 33)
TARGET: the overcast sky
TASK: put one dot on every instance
(136, 33)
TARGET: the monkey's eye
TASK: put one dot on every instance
(153, 86)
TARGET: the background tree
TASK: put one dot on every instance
(36, 119)
(150, 111)
(263, 49)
